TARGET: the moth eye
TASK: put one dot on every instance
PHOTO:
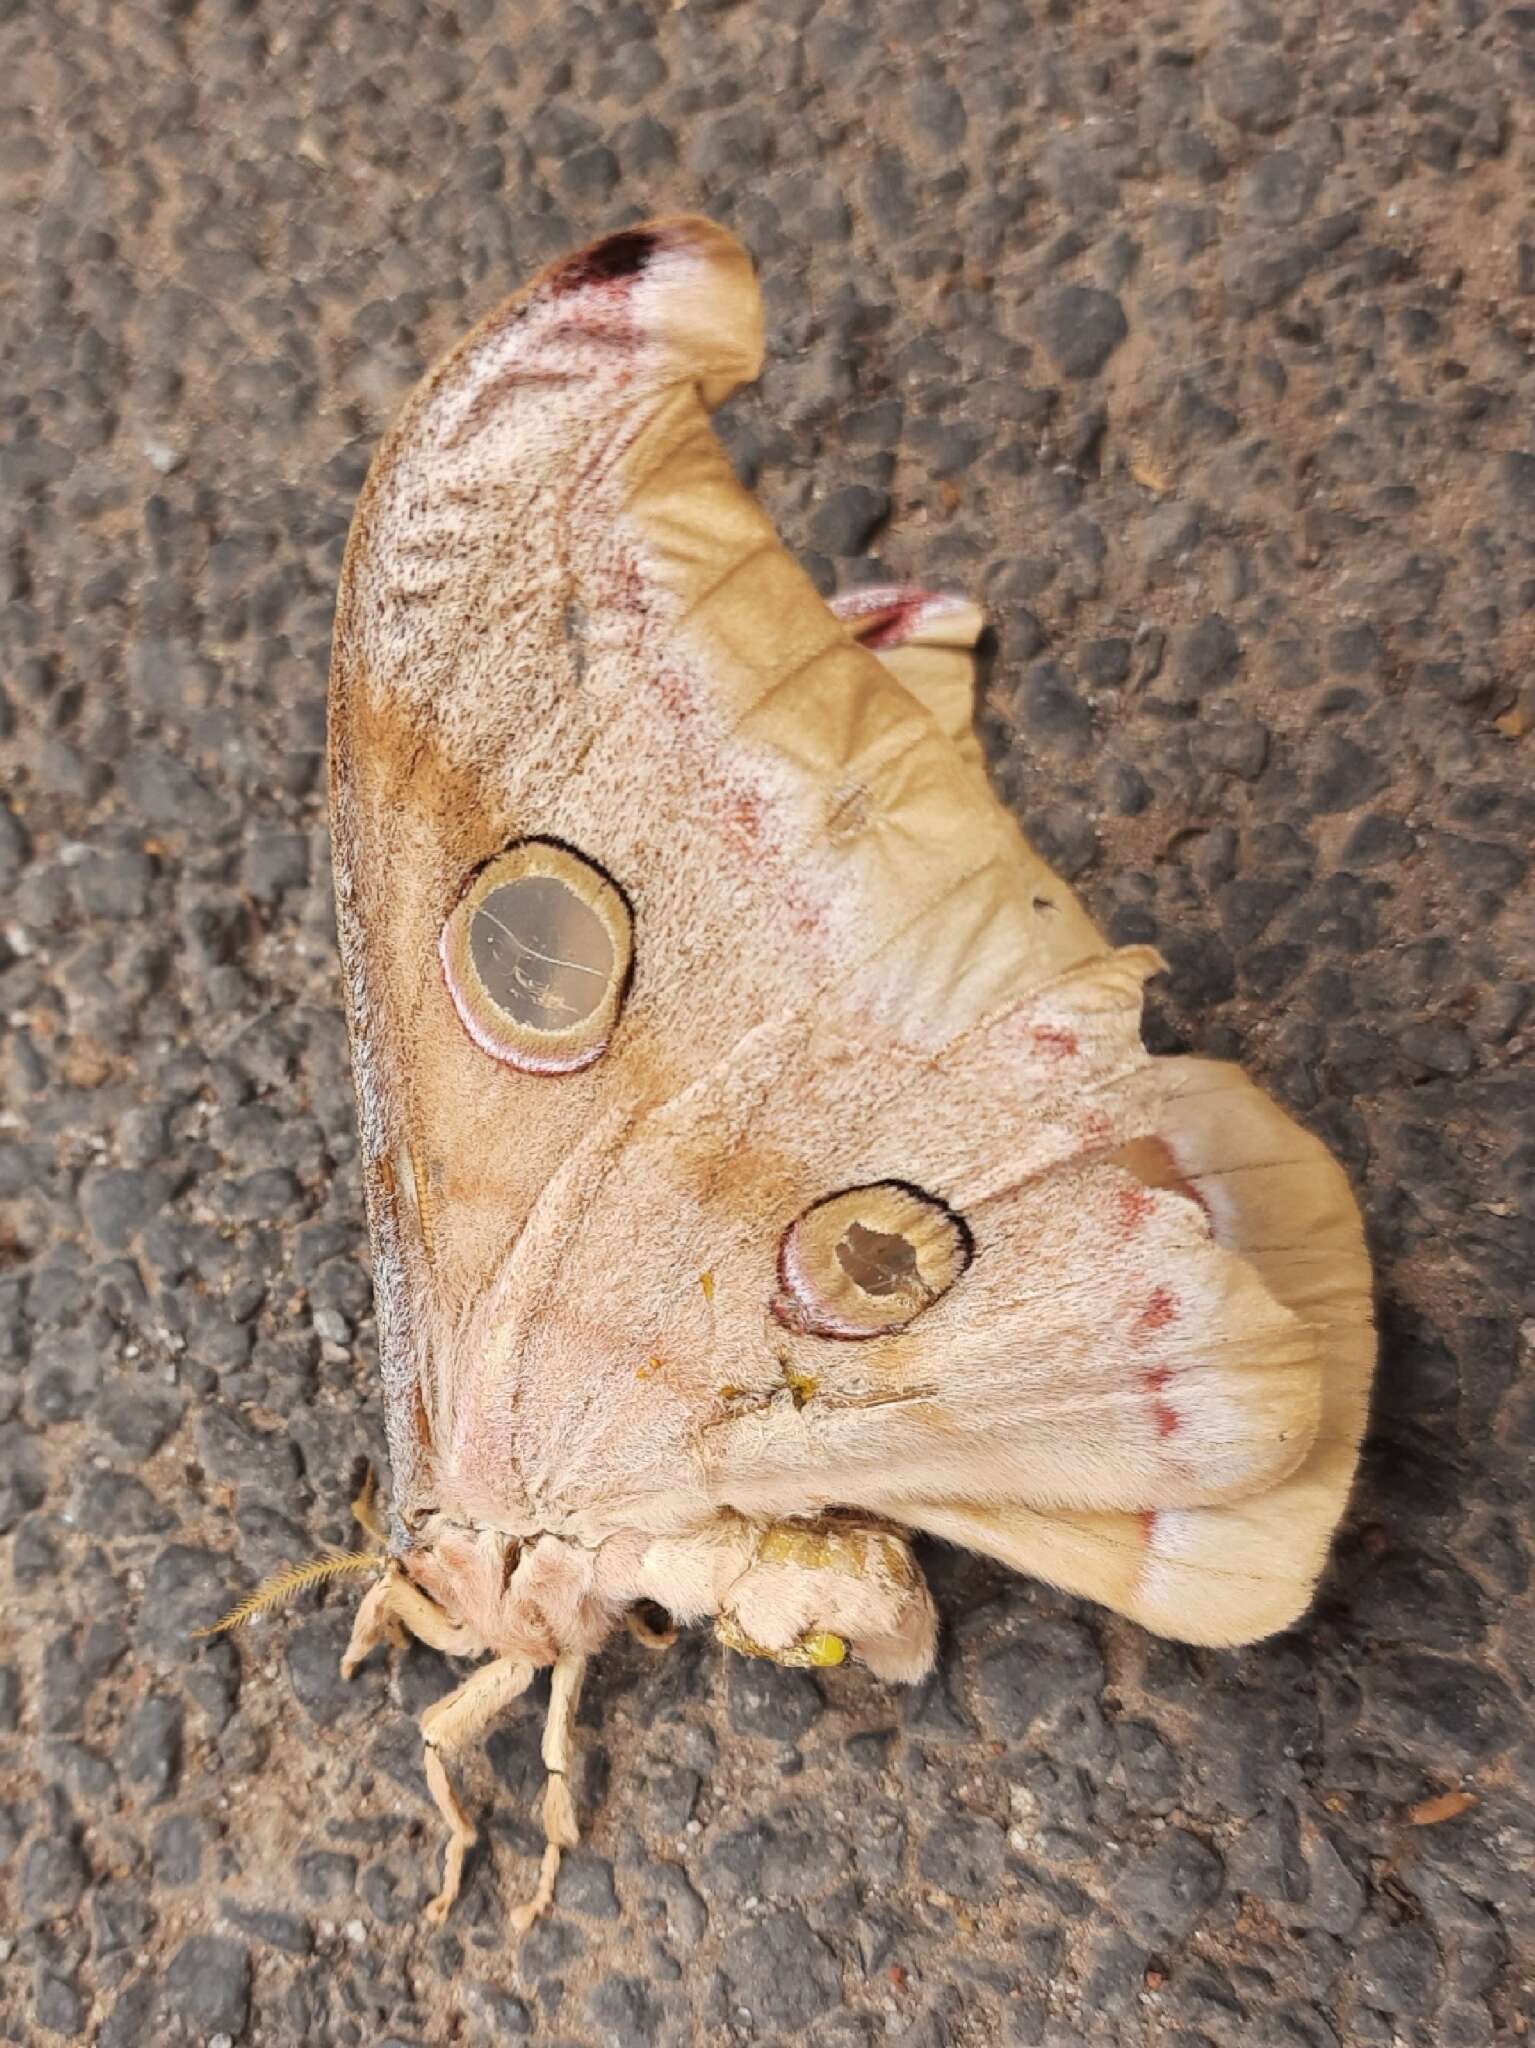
(536, 954)
(863, 1263)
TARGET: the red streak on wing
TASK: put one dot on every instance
(1097, 1128)
(741, 821)
(1133, 1204)
(1148, 1521)
(1054, 1041)
(1161, 1309)
(890, 625)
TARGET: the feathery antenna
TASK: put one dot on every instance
(291, 1579)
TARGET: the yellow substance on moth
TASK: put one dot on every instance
(823, 1648)
(802, 1385)
(706, 1282)
(651, 1369)
(857, 1552)
(816, 1649)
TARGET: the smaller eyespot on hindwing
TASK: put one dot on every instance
(865, 1262)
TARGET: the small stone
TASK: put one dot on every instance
(591, 174)
(1282, 188)
(1439, 1049)
(137, 1419)
(122, 1918)
(274, 863)
(1518, 473)
(780, 1972)
(964, 1856)
(643, 145)
(1024, 1683)
(313, 1656)
(1165, 1892)
(130, 2022)
(624, 2012)
(887, 193)
(737, 144)
(505, 2016)
(1399, 1972)
(207, 1985)
(847, 521)
(1482, 863)
(940, 111)
(1349, 775)
(662, 1890)
(53, 1876)
(165, 792)
(326, 1877)
(1105, 663)
(779, 1858)
(1201, 972)
(14, 847)
(116, 1202)
(1066, 838)
(548, 1947)
(1080, 328)
(1335, 1899)
(235, 1450)
(149, 1753)
(1354, 650)
(1377, 841)
(585, 1885)
(1117, 1981)
(288, 1931)
(1209, 654)
(1252, 87)
(178, 1847)
(1049, 706)
(768, 1699)
(57, 2004)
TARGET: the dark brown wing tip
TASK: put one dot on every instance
(689, 286)
(615, 260)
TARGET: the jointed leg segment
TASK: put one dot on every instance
(449, 1725)
(560, 1830)
(452, 1723)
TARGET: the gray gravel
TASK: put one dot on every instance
(1197, 344)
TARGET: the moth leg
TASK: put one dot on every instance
(560, 1830)
(392, 1606)
(375, 1622)
(451, 1724)
(814, 1588)
(365, 1511)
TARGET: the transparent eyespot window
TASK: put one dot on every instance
(865, 1262)
(536, 954)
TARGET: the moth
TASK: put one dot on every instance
(762, 1160)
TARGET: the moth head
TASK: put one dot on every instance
(533, 1598)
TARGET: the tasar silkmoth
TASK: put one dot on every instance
(762, 1160)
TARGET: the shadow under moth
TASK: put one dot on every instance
(762, 1160)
